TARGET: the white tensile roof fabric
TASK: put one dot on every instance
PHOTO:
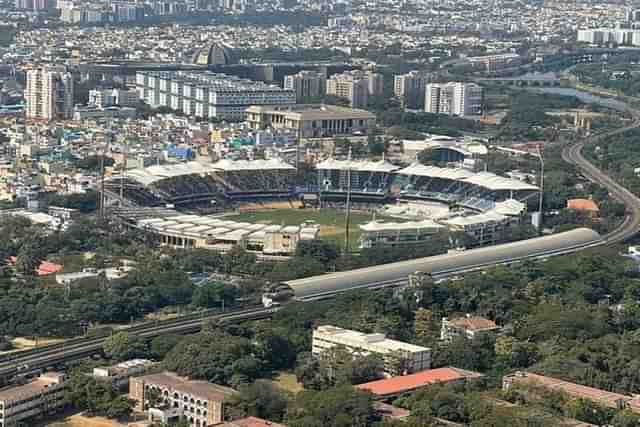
(487, 180)
(148, 176)
(356, 165)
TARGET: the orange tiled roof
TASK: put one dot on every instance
(411, 382)
(473, 323)
(582, 205)
(45, 268)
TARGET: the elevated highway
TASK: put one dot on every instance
(573, 154)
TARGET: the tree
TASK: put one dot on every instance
(119, 407)
(198, 260)
(587, 411)
(323, 251)
(477, 354)
(29, 258)
(276, 350)
(237, 260)
(163, 344)
(4, 343)
(214, 294)
(125, 346)
(215, 356)
(423, 324)
(625, 418)
(97, 397)
(297, 268)
(337, 366)
(261, 399)
(342, 406)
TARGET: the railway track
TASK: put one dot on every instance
(48, 356)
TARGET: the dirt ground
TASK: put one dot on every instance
(22, 343)
(80, 420)
(330, 230)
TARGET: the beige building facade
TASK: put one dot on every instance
(311, 120)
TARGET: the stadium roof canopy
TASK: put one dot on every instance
(156, 173)
(357, 165)
(494, 182)
(482, 218)
(152, 174)
(417, 169)
(252, 165)
(487, 180)
(509, 207)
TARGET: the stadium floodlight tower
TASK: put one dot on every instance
(540, 156)
(348, 206)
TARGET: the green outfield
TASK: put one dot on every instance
(332, 222)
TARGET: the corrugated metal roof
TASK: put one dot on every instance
(339, 282)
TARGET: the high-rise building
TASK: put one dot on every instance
(205, 94)
(356, 86)
(124, 11)
(306, 84)
(453, 98)
(49, 93)
(410, 88)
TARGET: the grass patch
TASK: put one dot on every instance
(288, 382)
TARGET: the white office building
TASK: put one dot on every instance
(49, 94)
(453, 98)
(205, 94)
(413, 358)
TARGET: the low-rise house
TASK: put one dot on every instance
(118, 375)
(586, 206)
(468, 327)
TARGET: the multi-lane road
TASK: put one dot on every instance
(31, 361)
(573, 154)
